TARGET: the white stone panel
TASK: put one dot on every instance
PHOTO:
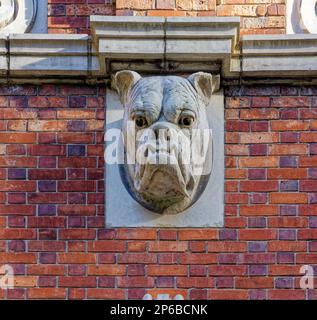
(123, 211)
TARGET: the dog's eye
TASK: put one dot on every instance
(186, 121)
(140, 121)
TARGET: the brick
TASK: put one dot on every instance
(258, 162)
(287, 246)
(289, 125)
(284, 270)
(288, 161)
(264, 186)
(236, 150)
(25, 137)
(76, 114)
(74, 137)
(192, 234)
(77, 282)
(42, 197)
(47, 125)
(288, 198)
(110, 294)
(167, 270)
(199, 258)
(288, 222)
(16, 186)
(256, 174)
(44, 174)
(135, 4)
(167, 234)
(254, 283)
(292, 174)
(290, 102)
(46, 222)
(17, 257)
(288, 185)
(260, 102)
(227, 270)
(83, 234)
(257, 234)
(17, 125)
(287, 149)
(227, 294)
(166, 13)
(46, 246)
(139, 270)
(226, 246)
(107, 246)
(26, 210)
(72, 186)
(77, 162)
(258, 137)
(258, 258)
(259, 114)
(308, 185)
(136, 234)
(76, 210)
(286, 294)
(236, 198)
(194, 282)
(308, 137)
(46, 150)
(258, 210)
(258, 150)
(310, 161)
(135, 282)
(137, 258)
(259, 126)
(167, 246)
(46, 293)
(108, 269)
(76, 258)
(165, 4)
(307, 234)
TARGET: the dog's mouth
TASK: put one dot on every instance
(164, 176)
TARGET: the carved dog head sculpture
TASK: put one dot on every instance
(164, 129)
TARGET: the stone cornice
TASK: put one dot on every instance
(279, 56)
(40, 57)
(157, 45)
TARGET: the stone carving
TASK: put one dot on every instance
(167, 139)
(17, 16)
(302, 16)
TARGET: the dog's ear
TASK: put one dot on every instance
(123, 82)
(205, 84)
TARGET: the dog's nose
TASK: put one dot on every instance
(162, 131)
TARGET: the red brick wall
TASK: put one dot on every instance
(52, 190)
(257, 17)
(52, 204)
(72, 16)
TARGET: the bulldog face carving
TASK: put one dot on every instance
(167, 139)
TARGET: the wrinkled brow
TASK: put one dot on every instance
(150, 110)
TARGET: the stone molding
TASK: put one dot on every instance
(169, 40)
(157, 45)
(26, 57)
(279, 56)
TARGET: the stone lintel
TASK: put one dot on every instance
(174, 39)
